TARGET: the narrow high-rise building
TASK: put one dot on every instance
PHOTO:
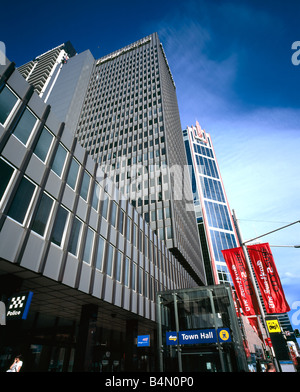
(126, 113)
(215, 222)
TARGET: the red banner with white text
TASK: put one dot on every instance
(268, 279)
(239, 272)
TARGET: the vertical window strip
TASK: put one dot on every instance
(43, 214)
(8, 101)
(22, 201)
(75, 237)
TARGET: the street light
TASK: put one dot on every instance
(285, 246)
(273, 231)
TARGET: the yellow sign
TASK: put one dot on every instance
(224, 335)
(273, 326)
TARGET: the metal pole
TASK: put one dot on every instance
(160, 345)
(270, 232)
(254, 282)
(220, 349)
(177, 330)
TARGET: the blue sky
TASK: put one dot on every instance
(231, 62)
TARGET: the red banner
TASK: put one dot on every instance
(238, 269)
(268, 278)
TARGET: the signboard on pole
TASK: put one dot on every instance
(240, 275)
(198, 336)
(268, 278)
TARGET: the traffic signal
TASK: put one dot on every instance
(297, 333)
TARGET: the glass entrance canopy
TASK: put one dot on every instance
(198, 331)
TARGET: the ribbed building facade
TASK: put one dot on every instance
(130, 125)
(92, 258)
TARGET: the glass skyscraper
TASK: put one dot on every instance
(215, 223)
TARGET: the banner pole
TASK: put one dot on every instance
(248, 262)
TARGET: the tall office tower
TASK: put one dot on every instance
(215, 222)
(43, 71)
(130, 125)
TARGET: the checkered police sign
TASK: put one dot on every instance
(18, 306)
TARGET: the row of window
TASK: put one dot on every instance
(217, 215)
(221, 241)
(106, 257)
(207, 166)
(27, 191)
(23, 131)
(212, 189)
(203, 150)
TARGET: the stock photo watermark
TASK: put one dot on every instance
(295, 319)
(2, 53)
(139, 182)
(296, 55)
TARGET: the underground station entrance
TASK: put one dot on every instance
(67, 330)
(198, 331)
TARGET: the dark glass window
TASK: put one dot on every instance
(7, 102)
(25, 126)
(43, 145)
(42, 215)
(133, 276)
(95, 201)
(88, 246)
(105, 206)
(109, 259)
(100, 253)
(59, 226)
(119, 266)
(85, 185)
(126, 272)
(113, 213)
(74, 237)
(73, 172)
(21, 201)
(121, 222)
(6, 172)
(59, 160)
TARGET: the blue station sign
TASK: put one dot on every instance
(199, 336)
(143, 341)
